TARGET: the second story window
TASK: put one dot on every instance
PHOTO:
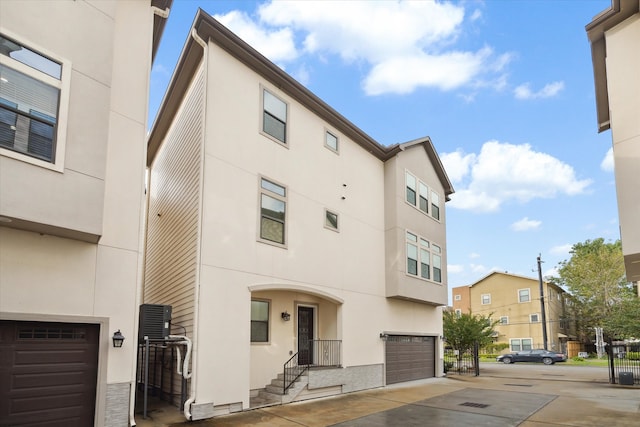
(423, 258)
(31, 93)
(435, 205)
(533, 318)
(504, 320)
(273, 202)
(274, 116)
(523, 295)
(331, 220)
(485, 299)
(331, 141)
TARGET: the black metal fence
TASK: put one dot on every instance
(624, 363)
(325, 353)
(462, 362)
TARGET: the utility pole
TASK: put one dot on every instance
(544, 316)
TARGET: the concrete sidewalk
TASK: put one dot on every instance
(492, 399)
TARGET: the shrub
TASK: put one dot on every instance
(447, 366)
(633, 355)
(577, 359)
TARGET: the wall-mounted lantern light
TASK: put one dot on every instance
(118, 339)
(285, 316)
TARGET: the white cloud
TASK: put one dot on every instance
(474, 255)
(526, 224)
(407, 44)
(276, 44)
(561, 250)
(549, 90)
(455, 268)
(607, 163)
(504, 172)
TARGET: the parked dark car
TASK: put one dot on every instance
(544, 356)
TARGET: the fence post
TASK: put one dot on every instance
(476, 358)
(612, 369)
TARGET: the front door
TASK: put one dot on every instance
(305, 335)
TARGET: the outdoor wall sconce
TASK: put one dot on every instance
(118, 339)
(285, 316)
(383, 337)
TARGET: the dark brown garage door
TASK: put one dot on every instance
(48, 373)
(409, 358)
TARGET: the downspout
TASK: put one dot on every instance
(196, 310)
(143, 243)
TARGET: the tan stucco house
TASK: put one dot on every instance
(74, 79)
(281, 234)
(615, 49)
(514, 301)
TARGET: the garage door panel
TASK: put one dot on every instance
(49, 376)
(409, 358)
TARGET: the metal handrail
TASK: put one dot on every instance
(292, 371)
(321, 353)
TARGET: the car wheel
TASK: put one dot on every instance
(506, 360)
(547, 361)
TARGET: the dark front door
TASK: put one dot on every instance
(305, 335)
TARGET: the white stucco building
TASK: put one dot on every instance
(73, 120)
(280, 232)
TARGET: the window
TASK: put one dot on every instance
(523, 295)
(32, 95)
(274, 117)
(458, 312)
(273, 203)
(435, 205)
(259, 321)
(331, 220)
(504, 320)
(485, 299)
(457, 297)
(563, 323)
(331, 141)
(533, 318)
(417, 193)
(520, 344)
(423, 259)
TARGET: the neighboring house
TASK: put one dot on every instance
(278, 230)
(615, 49)
(515, 301)
(74, 79)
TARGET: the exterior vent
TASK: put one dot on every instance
(155, 322)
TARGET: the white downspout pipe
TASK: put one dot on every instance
(192, 393)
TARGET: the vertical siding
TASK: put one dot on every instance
(173, 216)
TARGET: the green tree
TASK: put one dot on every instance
(462, 331)
(602, 297)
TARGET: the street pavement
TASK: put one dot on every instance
(524, 395)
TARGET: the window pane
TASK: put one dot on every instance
(526, 344)
(274, 127)
(275, 107)
(411, 189)
(274, 188)
(411, 196)
(30, 58)
(331, 220)
(435, 206)
(332, 141)
(425, 269)
(259, 331)
(424, 204)
(273, 208)
(412, 266)
(437, 275)
(424, 243)
(260, 310)
(411, 237)
(412, 252)
(272, 230)
(515, 345)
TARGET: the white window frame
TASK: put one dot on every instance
(263, 191)
(422, 191)
(335, 150)
(482, 299)
(284, 143)
(504, 320)
(424, 249)
(528, 295)
(457, 297)
(327, 223)
(520, 343)
(63, 85)
(268, 341)
(458, 312)
(537, 318)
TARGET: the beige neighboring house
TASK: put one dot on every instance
(515, 301)
(615, 49)
(74, 82)
(280, 232)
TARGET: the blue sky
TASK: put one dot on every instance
(504, 88)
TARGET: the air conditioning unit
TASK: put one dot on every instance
(155, 322)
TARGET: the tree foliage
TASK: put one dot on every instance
(462, 331)
(602, 297)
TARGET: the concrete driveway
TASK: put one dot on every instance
(504, 395)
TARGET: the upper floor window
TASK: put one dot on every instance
(331, 141)
(533, 318)
(423, 258)
(32, 94)
(331, 220)
(523, 295)
(418, 195)
(274, 116)
(273, 202)
(458, 312)
(521, 344)
(504, 320)
(485, 299)
(457, 297)
(259, 321)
